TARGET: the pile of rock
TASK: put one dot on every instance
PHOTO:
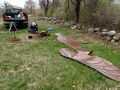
(52, 20)
(76, 27)
(109, 35)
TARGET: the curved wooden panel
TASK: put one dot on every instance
(71, 42)
(103, 66)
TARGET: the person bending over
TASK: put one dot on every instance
(33, 28)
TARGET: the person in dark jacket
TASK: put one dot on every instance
(33, 28)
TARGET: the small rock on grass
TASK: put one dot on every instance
(12, 72)
(73, 86)
(58, 78)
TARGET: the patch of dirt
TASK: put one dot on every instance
(39, 35)
(14, 40)
(103, 39)
(97, 37)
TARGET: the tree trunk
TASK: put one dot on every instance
(77, 10)
(67, 6)
(47, 7)
(46, 10)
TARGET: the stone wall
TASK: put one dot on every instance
(109, 35)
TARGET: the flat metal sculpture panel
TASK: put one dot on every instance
(81, 55)
(71, 42)
(103, 66)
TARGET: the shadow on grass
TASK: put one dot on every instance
(3, 28)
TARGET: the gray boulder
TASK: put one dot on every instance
(83, 27)
(103, 34)
(74, 27)
(45, 18)
(67, 24)
(51, 18)
(50, 22)
(116, 43)
(91, 30)
(104, 30)
(113, 41)
(79, 27)
(62, 24)
(41, 18)
(112, 33)
(117, 37)
(97, 29)
(54, 22)
(62, 21)
(97, 33)
(58, 21)
(54, 19)
(71, 23)
(109, 38)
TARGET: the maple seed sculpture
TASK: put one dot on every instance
(69, 41)
(81, 55)
(103, 66)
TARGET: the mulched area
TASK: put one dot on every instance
(15, 40)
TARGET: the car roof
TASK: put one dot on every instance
(13, 8)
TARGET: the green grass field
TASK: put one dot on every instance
(37, 65)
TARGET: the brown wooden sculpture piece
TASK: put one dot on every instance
(71, 42)
(103, 66)
(81, 55)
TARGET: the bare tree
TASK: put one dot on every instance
(67, 5)
(1, 11)
(6, 5)
(91, 7)
(77, 4)
(55, 3)
(30, 6)
(45, 4)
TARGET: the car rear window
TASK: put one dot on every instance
(14, 11)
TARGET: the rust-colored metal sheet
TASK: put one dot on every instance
(71, 42)
(39, 35)
(103, 66)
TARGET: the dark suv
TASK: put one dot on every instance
(11, 15)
